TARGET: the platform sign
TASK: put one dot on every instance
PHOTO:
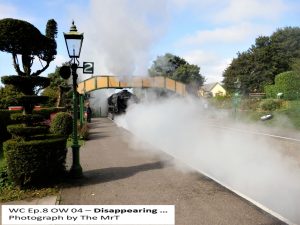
(88, 67)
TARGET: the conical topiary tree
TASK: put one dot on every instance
(32, 155)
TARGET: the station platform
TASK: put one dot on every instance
(117, 172)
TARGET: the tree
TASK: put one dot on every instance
(8, 96)
(240, 65)
(190, 75)
(32, 155)
(296, 65)
(24, 40)
(178, 69)
(259, 65)
(19, 37)
(58, 90)
(166, 65)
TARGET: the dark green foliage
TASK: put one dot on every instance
(51, 29)
(4, 178)
(34, 99)
(32, 156)
(62, 124)
(270, 104)
(296, 65)
(287, 83)
(177, 69)
(250, 104)
(4, 121)
(45, 113)
(190, 75)
(28, 85)
(268, 57)
(8, 96)
(19, 37)
(84, 132)
(36, 161)
(22, 131)
(58, 91)
(271, 91)
(27, 119)
(166, 65)
(29, 101)
(221, 102)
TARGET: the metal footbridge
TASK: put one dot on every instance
(104, 82)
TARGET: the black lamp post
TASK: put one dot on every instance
(74, 41)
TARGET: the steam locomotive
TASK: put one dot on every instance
(117, 103)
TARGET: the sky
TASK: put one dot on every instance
(123, 37)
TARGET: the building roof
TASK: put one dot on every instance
(209, 87)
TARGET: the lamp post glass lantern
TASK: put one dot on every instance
(74, 41)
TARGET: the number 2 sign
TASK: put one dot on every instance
(88, 67)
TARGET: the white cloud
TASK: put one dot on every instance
(59, 60)
(191, 3)
(213, 72)
(230, 35)
(211, 64)
(200, 57)
(246, 10)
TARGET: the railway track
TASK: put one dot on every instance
(260, 165)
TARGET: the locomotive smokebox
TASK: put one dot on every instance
(118, 103)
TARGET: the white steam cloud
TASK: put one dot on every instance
(98, 101)
(250, 164)
(120, 33)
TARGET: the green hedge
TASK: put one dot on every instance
(26, 84)
(48, 111)
(28, 118)
(270, 104)
(36, 161)
(287, 83)
(271, 91)
(20, 130)
(62, 124)
(4, 121)
(4, 178)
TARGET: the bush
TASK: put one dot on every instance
(20, 130)
(29, 119)
(4, 178)
(250, 104)
(287, 83)
(4, 121)
(26, 84)
(84, 132)
(62, 124)
(223, 102)
(35, 161)
(47, 112)
(270, 104)
(271, 91)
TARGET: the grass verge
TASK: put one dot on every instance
(10, 193)
(287, 117)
